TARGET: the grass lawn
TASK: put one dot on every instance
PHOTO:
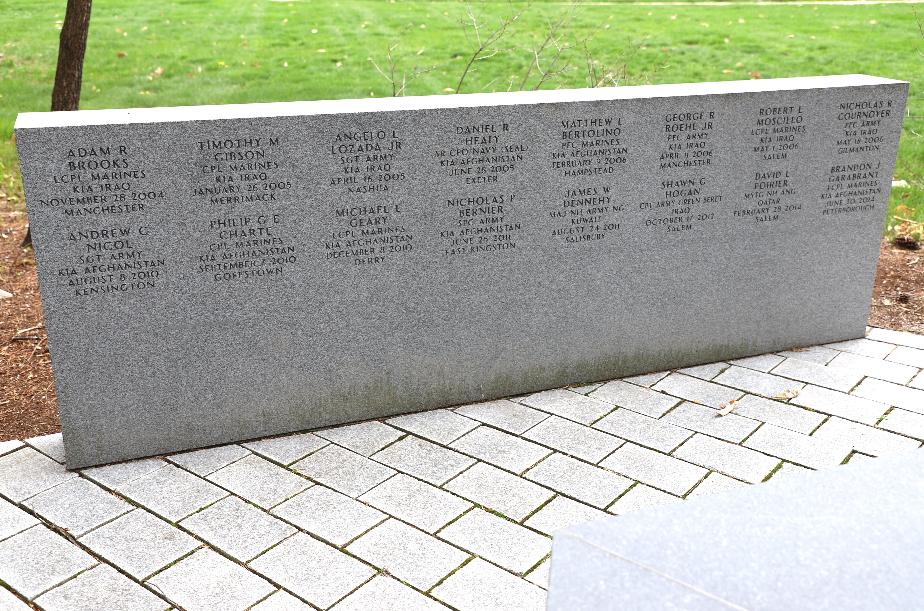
(144, 53)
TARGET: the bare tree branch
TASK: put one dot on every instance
(485, 48)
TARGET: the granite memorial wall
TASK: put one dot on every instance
(219, 273)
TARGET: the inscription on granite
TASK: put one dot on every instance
(212, 274)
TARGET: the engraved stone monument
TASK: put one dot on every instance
(219, 273)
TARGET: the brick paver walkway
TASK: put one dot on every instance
(448, 507)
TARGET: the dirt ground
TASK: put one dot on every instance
(27, 393)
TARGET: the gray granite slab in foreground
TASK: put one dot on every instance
(216, 274)
(839, 539)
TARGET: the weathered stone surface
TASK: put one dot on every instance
(315, 571)
(655, 469)
(562, 512)
(416, 502)
(593, 485)
(237, 528)
(78, 505)
(259, 481)
(499, 490)
(386, 594)
(502, 542)
(37, 559)
(147, 222)
(209, 460)
(139, 543)
(480, 586)
(13, 520)
(412, 556)
(102, 587)
(342, 470)
(27, 472)
(330, 515)
(666, 558)
(207, 580)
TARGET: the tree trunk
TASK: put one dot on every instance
(69, 74)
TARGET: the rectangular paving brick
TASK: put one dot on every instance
(918, 381)
(440, 425)
(696, 390)
(501, 449)
(540, 574)
(779, 414)
(209, 460)
(313, 570)
(904, 422)
(642, 400)
(705, 372)
(913, 357)
(424, 460)
(821, 355)
(866, 439)
(732, 460)
(585, 389)
(139, 543)
(78, 505)
(695, 417)
(497, 540)
(281, 601)
(572, 438)
(364, 438)
(562, 512)
(120, 474)
(839, 404)
(27, 472)
(259, 481)
(237, 528)
(385, 594)
(13, 520)
(655, 469)
(482, 586)
(38, 559)
(570, 405)
(715, 483)
(499, 490)
(902, 338)
(641, 497)
(787, 469)
(646, 379)
(343, 470)
(101, 587)
(503, 414)
(761, 362)
(172, 492)
(416, 502)
(875, 368)
(333, 516)
(10, 445)
(842, 379)
(206, 580)
(578, 479)
(864, 347)
(635, 427)
(51, 446)
(409, 554)
(757, 382)
(288, 448)
(895, 395)
(812, 452)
